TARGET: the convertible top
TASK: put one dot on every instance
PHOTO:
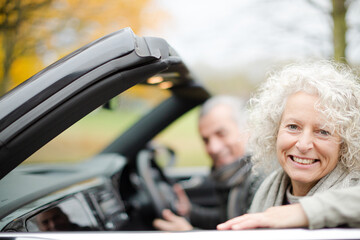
(64, 92)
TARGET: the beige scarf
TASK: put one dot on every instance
(273, 190)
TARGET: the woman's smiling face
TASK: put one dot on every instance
(306, 149)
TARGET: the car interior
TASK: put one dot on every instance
(128, 183)
(123, 178)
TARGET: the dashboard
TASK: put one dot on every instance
(89, 206)
(105, 194)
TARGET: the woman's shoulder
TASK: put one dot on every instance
(349, 178)
(274, 174)
(267, 194)
(353, 178)
(272, 178)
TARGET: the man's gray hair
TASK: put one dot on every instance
(237, 106)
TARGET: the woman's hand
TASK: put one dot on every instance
(288, 216)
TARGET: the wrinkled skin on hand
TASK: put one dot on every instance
(288, 216)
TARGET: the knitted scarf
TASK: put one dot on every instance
(273, 190)
(232, 174)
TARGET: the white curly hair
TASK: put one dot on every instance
(338, 90)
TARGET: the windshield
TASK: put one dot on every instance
(95, 131)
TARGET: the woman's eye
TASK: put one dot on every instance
(324, 132)
(292, 127)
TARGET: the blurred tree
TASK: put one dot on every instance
(34, 33)
(14, 15)
(339, 29)
(339, 26)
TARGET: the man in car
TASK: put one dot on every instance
(222, 123)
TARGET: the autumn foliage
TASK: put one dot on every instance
(35, 33)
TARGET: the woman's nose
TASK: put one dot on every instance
(305, 142)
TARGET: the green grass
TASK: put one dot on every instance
(184, 138)
(86, 137)
(94, 132)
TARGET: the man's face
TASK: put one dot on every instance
(221, 135)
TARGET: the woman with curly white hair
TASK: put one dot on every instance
(305, 118)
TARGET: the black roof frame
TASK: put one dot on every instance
(77, 90)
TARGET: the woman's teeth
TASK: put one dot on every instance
(303, 161)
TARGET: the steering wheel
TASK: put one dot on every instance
(156, 184)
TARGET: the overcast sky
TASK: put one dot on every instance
(240, 33)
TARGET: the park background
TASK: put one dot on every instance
(229, 45)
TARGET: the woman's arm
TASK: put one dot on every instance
(275, 217)
(328, 209)
(333, 208)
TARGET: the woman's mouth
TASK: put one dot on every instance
(305, 161)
